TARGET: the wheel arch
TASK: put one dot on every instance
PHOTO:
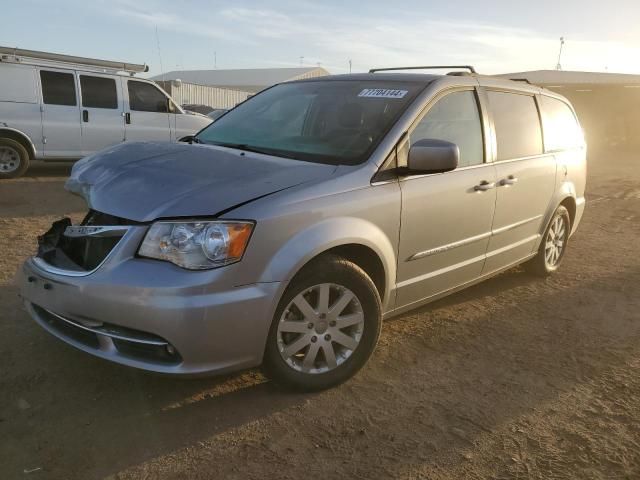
(20, 137)
(354, 239)
(570, 204)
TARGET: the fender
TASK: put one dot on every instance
(31, 148)
(323, 236)
(566, 190)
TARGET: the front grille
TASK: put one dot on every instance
(129, 343)
(81, 253)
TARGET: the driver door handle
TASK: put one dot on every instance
(483, 186)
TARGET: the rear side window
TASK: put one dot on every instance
(18, 84)
(517, 125)
(455, 118)
(58, 88)
(561, 129)
(144, 97)
(98, 92)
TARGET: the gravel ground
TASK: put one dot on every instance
(517, 377)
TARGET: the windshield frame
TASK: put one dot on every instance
(418, 88)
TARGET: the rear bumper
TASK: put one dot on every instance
(580, 204)
(130, 313)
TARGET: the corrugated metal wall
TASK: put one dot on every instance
(189, 93)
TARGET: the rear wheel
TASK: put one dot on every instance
(326, 326)
(553, 245)
(14, 158)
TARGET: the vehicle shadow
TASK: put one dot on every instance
(448, 373)
(49, 169)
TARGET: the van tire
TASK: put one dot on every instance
(337, 271)
(540, 264)
(14, 158)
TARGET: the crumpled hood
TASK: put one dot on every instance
(145, 181)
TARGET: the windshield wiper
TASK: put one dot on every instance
(250, 148)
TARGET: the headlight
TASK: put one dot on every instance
(197, 245)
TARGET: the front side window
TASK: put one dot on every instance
(98, 92)
(561, 129)
(517, 125)
(323, 121)
(456, 119)
(58, 88)
(144, 97)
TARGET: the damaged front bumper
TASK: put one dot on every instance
(150, 314)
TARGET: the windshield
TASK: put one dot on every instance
(336, 122)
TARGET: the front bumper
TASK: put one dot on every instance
(129, 311)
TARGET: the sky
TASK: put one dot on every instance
(496, 36)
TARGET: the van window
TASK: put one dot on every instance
(455, 118)
(18, 84)
(98, 92)
(144, 97)
(517, 125)
(58, 88)
(561, 129)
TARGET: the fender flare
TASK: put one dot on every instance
(566, 190)
(323, 236)
(31, 148)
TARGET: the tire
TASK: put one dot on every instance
(553, 245)
(302, 332)
(14, 159)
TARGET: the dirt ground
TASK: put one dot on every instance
(517, 377)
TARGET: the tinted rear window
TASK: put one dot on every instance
(561, 129)
(98, 92)
(58, 88)
(517, 125)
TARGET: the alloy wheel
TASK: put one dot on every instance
(555, 241)
(320, 328)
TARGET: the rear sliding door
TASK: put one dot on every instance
(526, 178)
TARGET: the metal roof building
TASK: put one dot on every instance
(248, 80)
(607, 104)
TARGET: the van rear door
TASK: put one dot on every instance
(60, 114)
(102, 111)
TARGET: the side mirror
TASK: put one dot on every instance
(433, 156)
(187, 139)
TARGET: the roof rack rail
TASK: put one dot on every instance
(19, 55)
(426, 67)
(525, 80)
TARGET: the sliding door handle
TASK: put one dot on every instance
(127, 118)
(85, 115)
(510, 180)
(483, 186)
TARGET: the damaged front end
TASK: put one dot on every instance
(80, 249)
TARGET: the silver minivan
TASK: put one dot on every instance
(60, 107)
(286, 231)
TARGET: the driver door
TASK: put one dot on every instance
(446, 217)
(148, 117)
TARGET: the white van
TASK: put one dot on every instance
(61, 107)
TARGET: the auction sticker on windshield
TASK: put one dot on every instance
(382, 93)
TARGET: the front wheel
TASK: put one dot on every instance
(326, 326)
(553, 245)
